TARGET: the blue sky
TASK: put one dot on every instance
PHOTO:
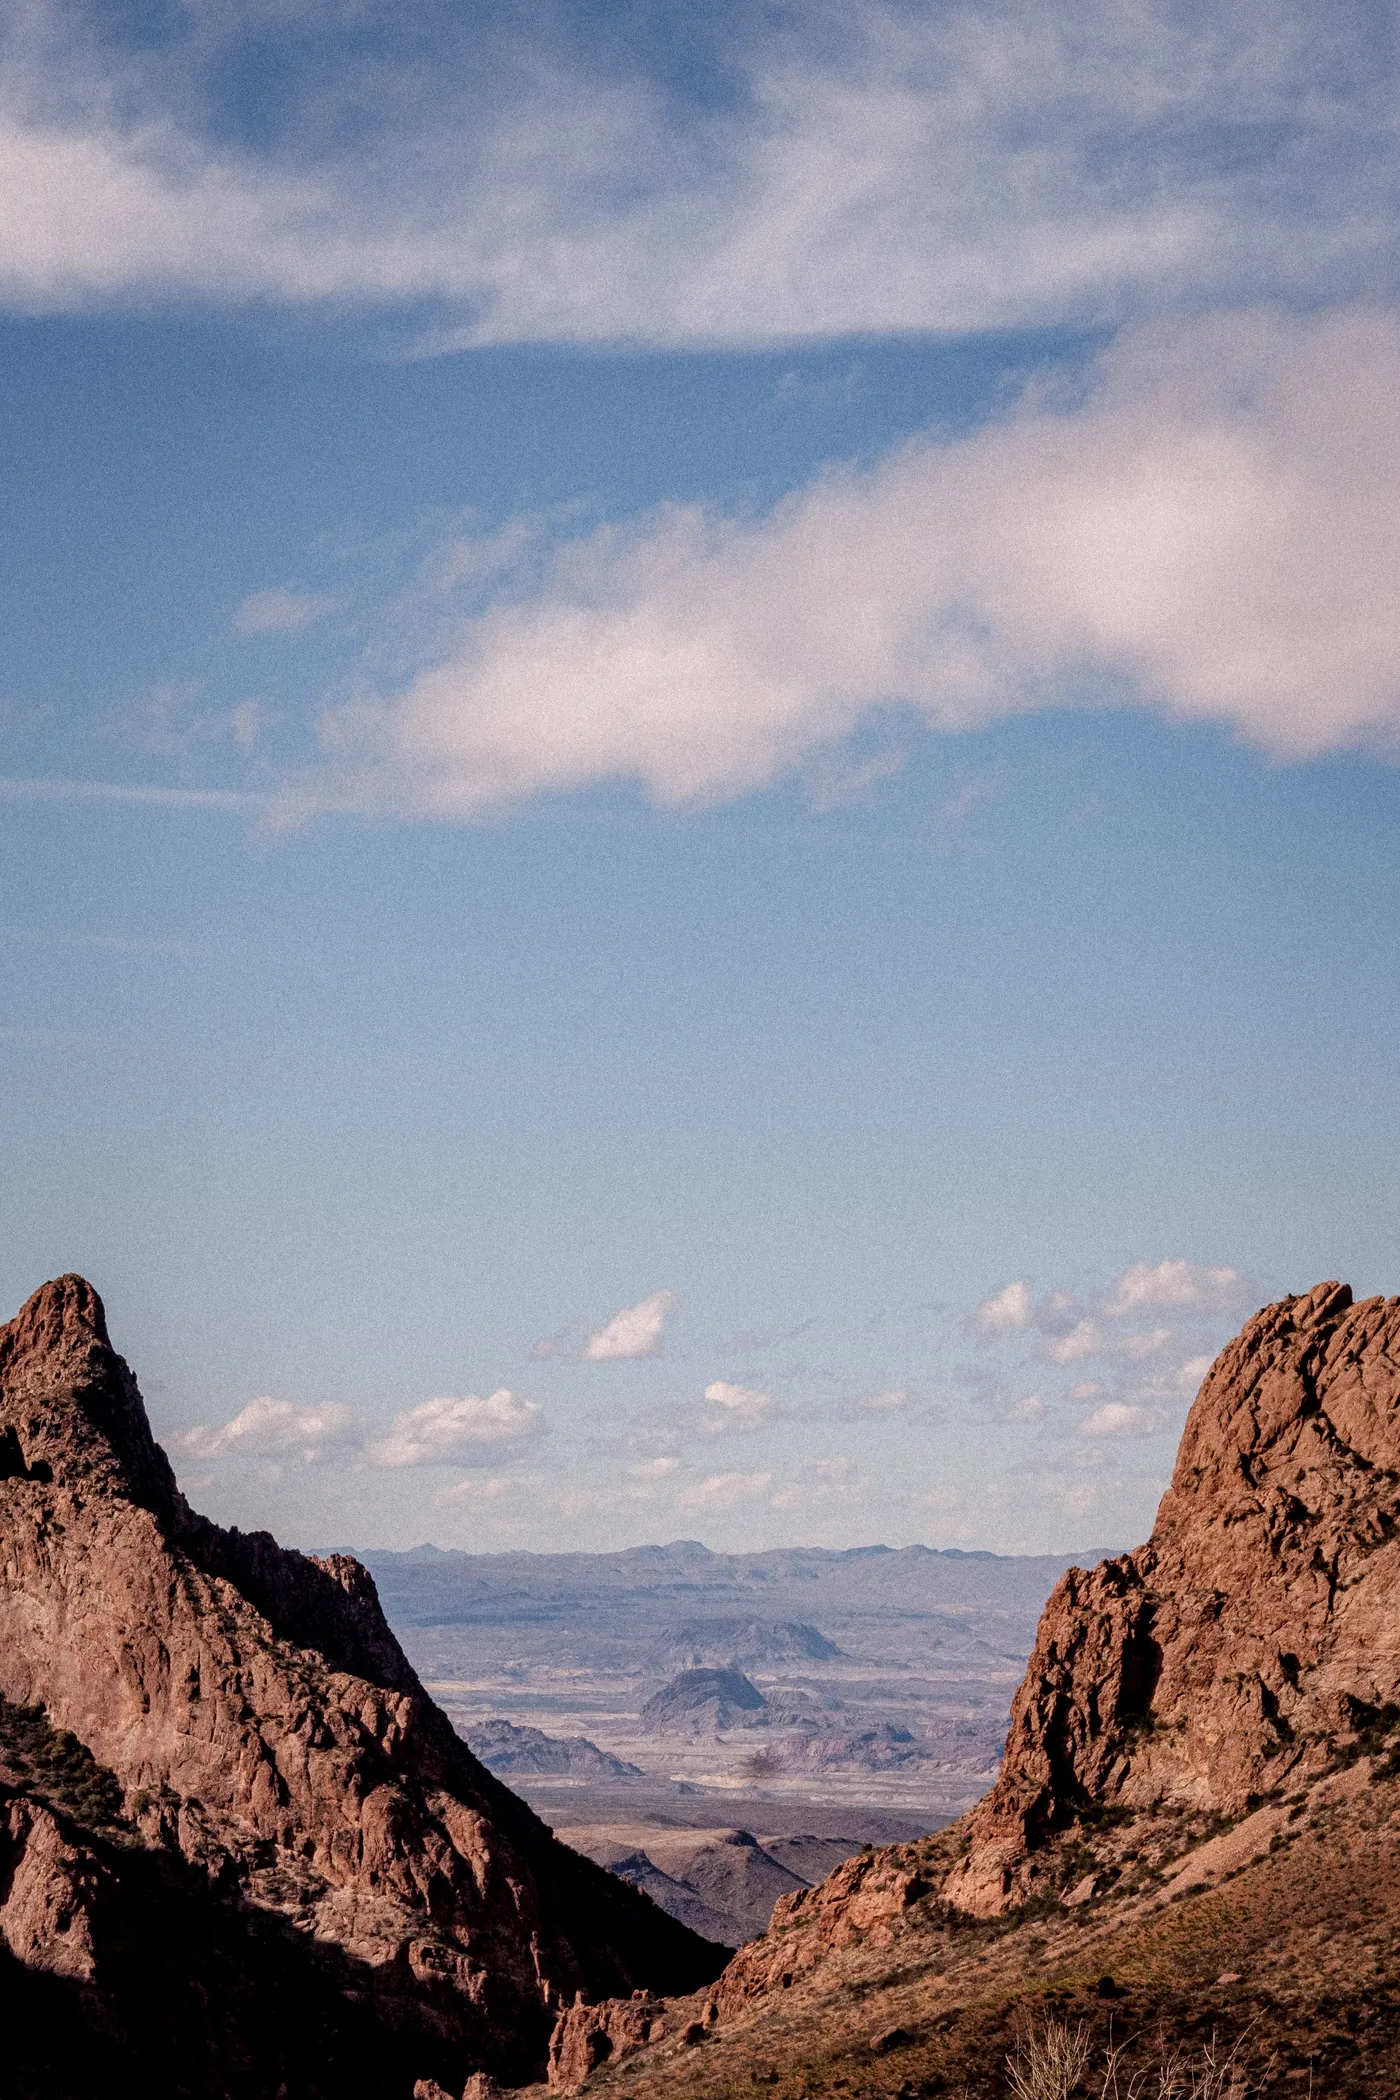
(699, 728)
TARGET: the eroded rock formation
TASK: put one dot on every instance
(275, 1756)
(1257, 1629)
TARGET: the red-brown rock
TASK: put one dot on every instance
(271, 1740)
(586, 2036)
(1257, 1629)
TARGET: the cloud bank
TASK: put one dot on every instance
(879, 166)
(1210, 532)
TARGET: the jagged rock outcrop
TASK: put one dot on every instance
(1255, 1632)
(586, 2036)
(275, 1755)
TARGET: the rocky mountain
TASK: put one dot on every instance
(703, 1701)
(241, 1851)
(1257, 1628)
(1189, 1868)
(504, 1748)
(740, 1644)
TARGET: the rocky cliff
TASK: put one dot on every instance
(1256, 1635)
(220, 1775)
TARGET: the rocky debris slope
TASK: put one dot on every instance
(256, 1745)
(1257, 1629)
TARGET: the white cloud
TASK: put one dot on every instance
(886, 1403)
(1088, 1391)
(1083, 1339)
(1176, 1283)
(1006, 1311)
(1028, 1410)
(634, 1332)
(1139, 1346)
(269, 1428)
(278, 612)
(1123, 1418)
(1189, 1377)
(725, 1491)
(1210, 533)
(737, 1406)
(869, 168)
(456, 1432)
(655, 1469)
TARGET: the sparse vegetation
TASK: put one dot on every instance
(1054, 2061)
(56, 1768)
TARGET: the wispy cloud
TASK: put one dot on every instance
(869, 167)
(721, 1491)
(1123, 1418)
(275, 1429)
(1173, 1285)
(234, 802)
(634, 1332)
(278, 611)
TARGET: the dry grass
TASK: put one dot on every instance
(1052, 2062)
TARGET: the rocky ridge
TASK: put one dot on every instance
(261, 1764)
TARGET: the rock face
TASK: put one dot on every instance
(275, 1756)
(1257, 1630)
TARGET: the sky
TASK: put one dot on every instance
(699, 813)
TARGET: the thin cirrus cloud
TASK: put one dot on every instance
(872, 167)
(1209, 531)
(457, 1432)
(632, 1333)
(276, 1429)
(1123, 1418)
(278, 611)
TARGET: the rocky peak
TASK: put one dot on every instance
(271, 1750)
(1257, 1629)
(70, 1409)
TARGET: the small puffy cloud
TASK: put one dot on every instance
(632, 1333)
(1140, 1345)
(1028, 1410)
(1172, 1284)
(276, 1429)
(1008, 1310)
(278, 612)
(655, 1469)
(451, 1432)
(1083, 1339)
(886, 1403)
(1123, 1418)
(737, 1406)
(720, 1491)
(1090, 1390)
